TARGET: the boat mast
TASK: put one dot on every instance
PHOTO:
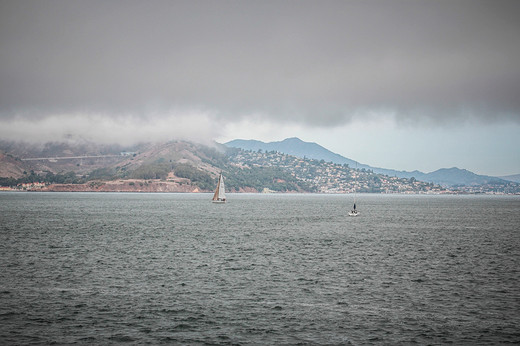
(217, 190)
(355, 190)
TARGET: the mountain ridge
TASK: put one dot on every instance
(181, 166)
(514, 178)
(294, 146)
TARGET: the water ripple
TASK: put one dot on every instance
(169, 268)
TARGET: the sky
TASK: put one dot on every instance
(400, 84)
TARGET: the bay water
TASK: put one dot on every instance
(110, 268)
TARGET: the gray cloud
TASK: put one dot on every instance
(313, 62)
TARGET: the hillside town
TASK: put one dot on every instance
(328, 177)
(186, 167)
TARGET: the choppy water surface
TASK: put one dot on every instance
(262, 269)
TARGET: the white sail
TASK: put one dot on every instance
(220, 192)
(222, 188)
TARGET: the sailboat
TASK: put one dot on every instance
(354, 211)
(220, 191)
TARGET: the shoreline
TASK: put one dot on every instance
(60, 188)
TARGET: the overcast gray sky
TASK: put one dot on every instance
(395, 84)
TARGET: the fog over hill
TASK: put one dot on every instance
(291, 165)
(385, 80)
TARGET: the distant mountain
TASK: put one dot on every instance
(457, 176)
(188, 166)
(89, 159)
(297, 147)
(173, 166)
(514, 178)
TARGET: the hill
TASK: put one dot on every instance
(295, 146)
(175, 166)
(515, 178)
(78, 162)
(456, 176)
(11, 166)
(180, 166)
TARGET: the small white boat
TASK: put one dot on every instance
(220, 192)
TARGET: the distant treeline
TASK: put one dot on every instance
(48, 178)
